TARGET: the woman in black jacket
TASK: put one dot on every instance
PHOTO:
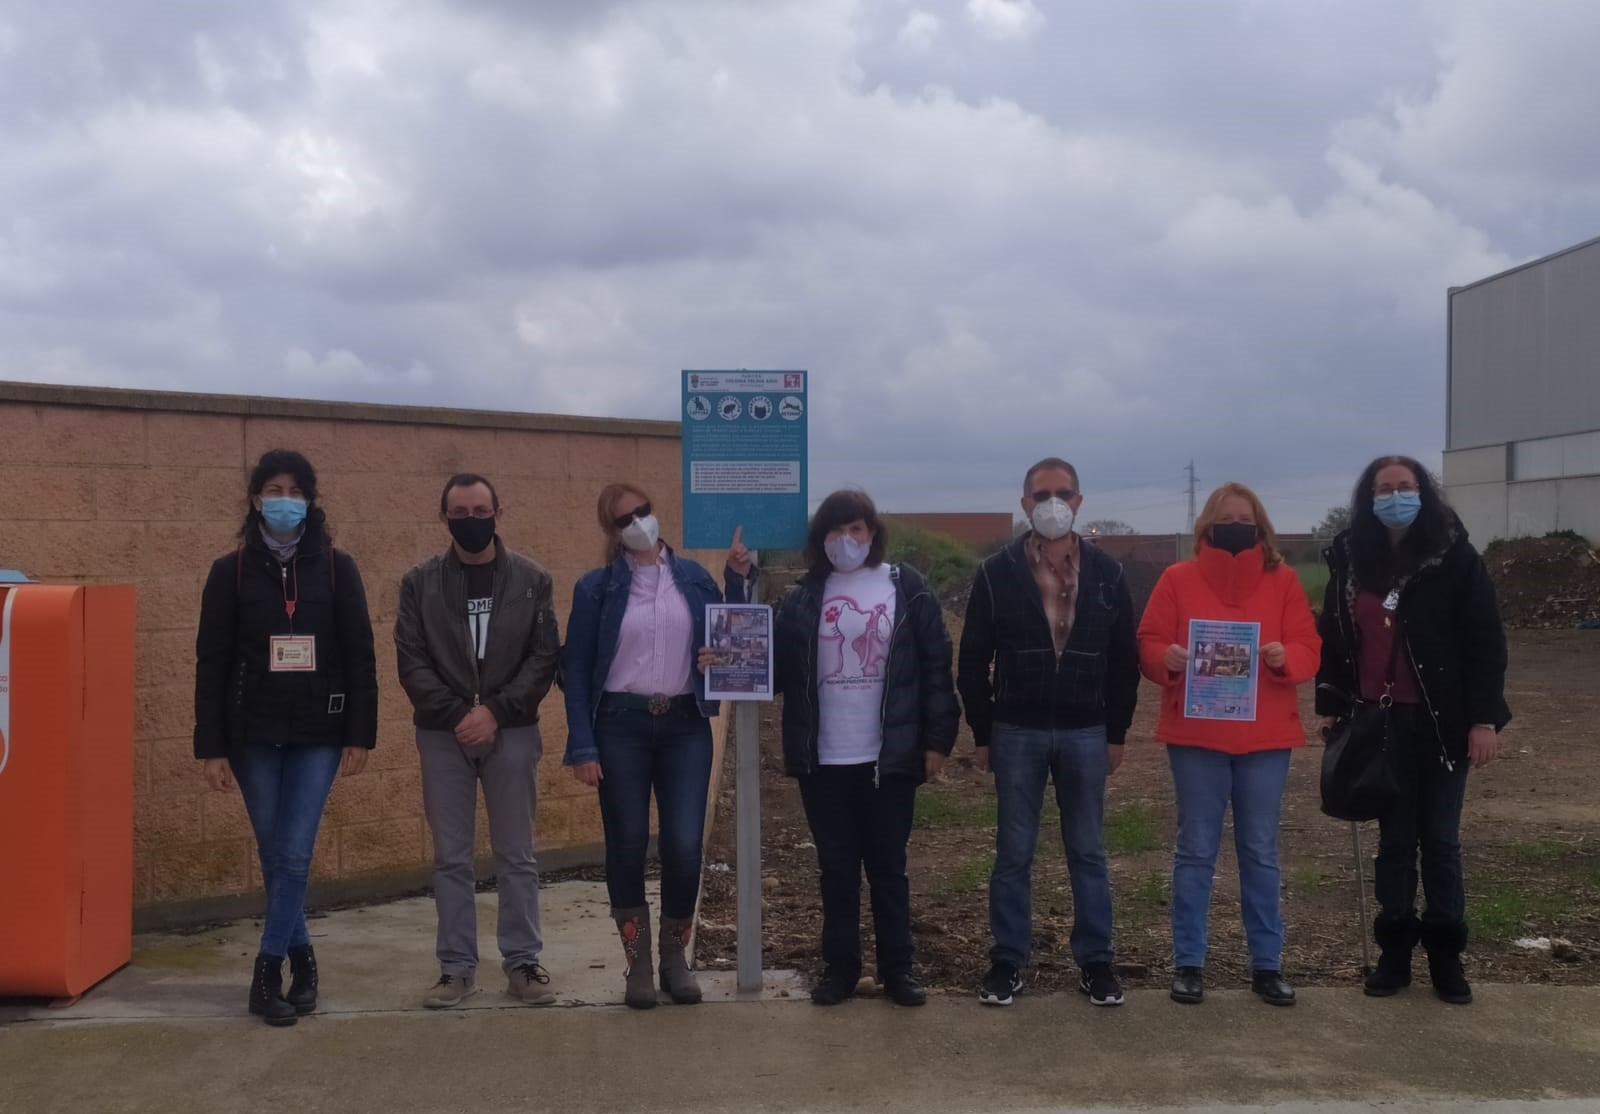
(286, 695)
(1410, 618)
(863, 662)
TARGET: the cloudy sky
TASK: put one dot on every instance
(1130, 233)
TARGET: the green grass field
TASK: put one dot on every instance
(1314, 579)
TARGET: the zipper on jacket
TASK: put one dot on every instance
(1038, 602)
(814, 751)
(901, 615)
(1444, 752)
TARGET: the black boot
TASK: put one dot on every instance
(303, 983)
(1444, 944)
(266, 992)
(1397, 939)
(1272, 988)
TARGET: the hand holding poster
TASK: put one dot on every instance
(740, 641)
(1223, 662)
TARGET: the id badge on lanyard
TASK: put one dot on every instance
(291, 653)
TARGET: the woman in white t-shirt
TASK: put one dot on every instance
(863, 663)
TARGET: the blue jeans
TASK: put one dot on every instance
(284, 790)
(1023, 759)
(672, 755)
(1205, 781)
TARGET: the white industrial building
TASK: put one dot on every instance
(1522, 452)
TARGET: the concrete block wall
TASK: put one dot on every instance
(148, 488)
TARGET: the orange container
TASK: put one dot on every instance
(66, 786)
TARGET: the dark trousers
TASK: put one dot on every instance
(1427, 818)
(670, 755)
(857, 825)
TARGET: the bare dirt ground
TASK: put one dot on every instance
(1532, 856)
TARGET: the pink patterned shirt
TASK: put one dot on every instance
(654, 647)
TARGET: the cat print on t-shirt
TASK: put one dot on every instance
(853, 637)
(854, 641)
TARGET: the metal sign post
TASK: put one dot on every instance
(745, 448)
(747, 835)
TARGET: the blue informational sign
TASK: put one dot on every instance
(744, 458)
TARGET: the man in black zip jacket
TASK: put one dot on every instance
(1048, 676)
(477, 647)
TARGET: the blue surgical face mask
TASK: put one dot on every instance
(283, 516)
(1398, 510)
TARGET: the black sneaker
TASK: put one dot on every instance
(834, 987)
(1100, 983)
(1001, 986)
(904, 990)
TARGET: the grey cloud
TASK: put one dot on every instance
(1136, 235)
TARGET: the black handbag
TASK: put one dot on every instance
(1358, 776)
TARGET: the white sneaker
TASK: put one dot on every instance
(530, 983)
(450, 990)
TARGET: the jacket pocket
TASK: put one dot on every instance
(1024, 674)
(547, 640)
(1082, 678)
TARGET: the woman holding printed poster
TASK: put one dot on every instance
(1229, 636)
(638, 722)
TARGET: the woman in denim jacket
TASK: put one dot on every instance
(637, 720)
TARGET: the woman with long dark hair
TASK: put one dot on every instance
(286, 696)
(1410, 620)
(863, 663)
(638, 722)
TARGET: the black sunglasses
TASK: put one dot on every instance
(1065, 494)
(623, 521)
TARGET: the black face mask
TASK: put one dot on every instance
(472, 534)
(1233, 537)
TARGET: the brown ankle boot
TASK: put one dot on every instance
(633, 925)
(676, 978)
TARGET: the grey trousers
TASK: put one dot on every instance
(450, 777)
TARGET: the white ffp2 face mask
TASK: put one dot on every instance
(1053, 519)
(846, 553)
(641, 535)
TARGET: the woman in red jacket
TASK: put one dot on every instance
(1228, 636)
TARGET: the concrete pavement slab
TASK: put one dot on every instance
(169, 1034)
(1522, 1044)
(372, 958)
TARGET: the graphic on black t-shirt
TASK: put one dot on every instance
(480, 604)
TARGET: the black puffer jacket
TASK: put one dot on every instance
(238, 700)
(920, 712)
(1453, 634)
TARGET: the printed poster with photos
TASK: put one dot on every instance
(740, 638)
(1223, 662)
